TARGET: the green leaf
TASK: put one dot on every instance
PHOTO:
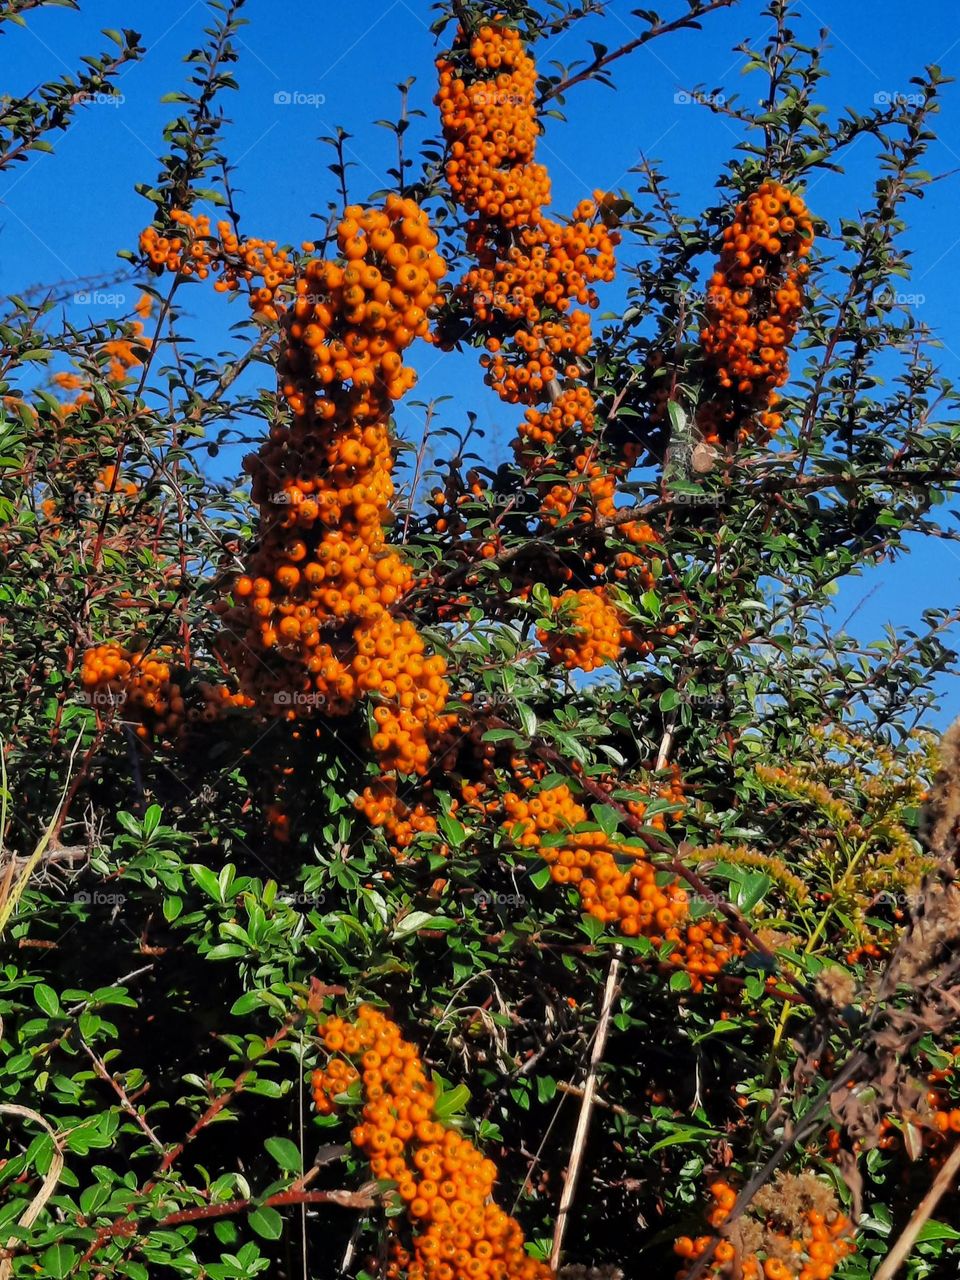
(246, 1003)
(542, 598)
(207, 880)
(546, 1088)
(285, 1153)
(225, 879)
(47, 999)
(151, 819)
(669, 700)
(937, 1231)
(129, 823)
(752, 889)
(58, 1260)
(528, 719)
(678, 419)
(606, 817)
(266, 1222)
(454, 832)
(452, 1101)
(650, 602)
(685, 1134)
(413, 922)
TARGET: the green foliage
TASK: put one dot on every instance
(167, 958)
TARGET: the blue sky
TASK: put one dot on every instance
(65, 216)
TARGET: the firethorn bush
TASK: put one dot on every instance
(437, 862)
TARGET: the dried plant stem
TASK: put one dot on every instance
(12, 889)
(941, 1184)
(586, 1107)
(47, 1187)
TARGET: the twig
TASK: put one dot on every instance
(941, 1183)
(586, 1107)
(418, 470)
(666, 742)
(576, 1092)
(362, 1199)
(129, 1108)
(656, 29)
(365, 1198)
(351, 1247)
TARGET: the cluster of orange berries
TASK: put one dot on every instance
(526, 371)
(198, 252)
(572, 409)
(352, 323)
(530, 269)
(445, 1184)
(590, 494)
(945, 1119)
(401, 822)
(794, 1224)
(139, 685)
(109, 481)
(867, 951)
(311, 623)
(491, 129)
(589, 631)
(755, 300)
(616, 880)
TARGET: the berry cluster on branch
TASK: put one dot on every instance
(454, 1230)
(197, 251)
(311, 628)
(793, 1230)
(754, 303)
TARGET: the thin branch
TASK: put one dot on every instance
(688, 21)
(101, 1069)
(942, 1183)
(586, 1107)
